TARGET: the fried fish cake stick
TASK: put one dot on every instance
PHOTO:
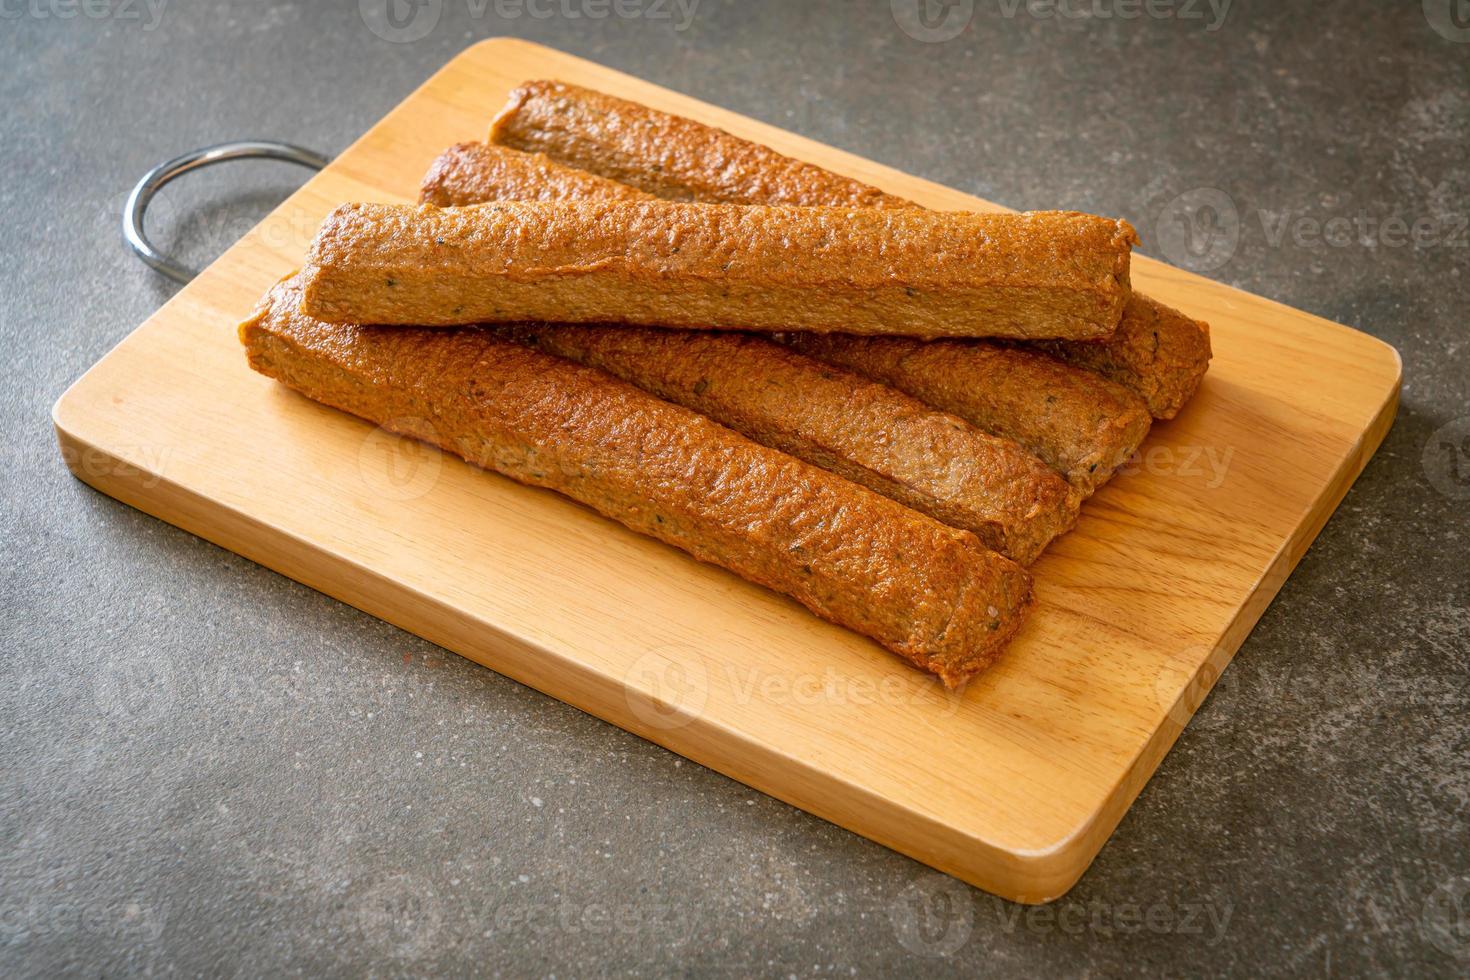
(929, 593)
(700, 266)
(1080, 424)
(665, 155)
(868, 432)
(473, 173)
(1156, 351)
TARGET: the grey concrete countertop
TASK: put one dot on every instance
(211, 769)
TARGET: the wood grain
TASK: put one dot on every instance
(1012, 785)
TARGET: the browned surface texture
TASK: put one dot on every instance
(666, 155)
(928, 592)
(471, 173)
(1081, 425)
(1078, 423)
(857, 270)
(867, 432)
(1157, 351)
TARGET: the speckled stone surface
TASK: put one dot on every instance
(211, 769)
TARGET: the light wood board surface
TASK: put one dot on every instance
(1012, 785)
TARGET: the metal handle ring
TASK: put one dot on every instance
(153, 181)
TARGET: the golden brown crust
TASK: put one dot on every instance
(665, 155)
(1158, 352)
(867, 432)
(695, 266)
(471, 173)
(1082, 426)
(928, 592)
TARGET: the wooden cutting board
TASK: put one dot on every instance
(1012, 785)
